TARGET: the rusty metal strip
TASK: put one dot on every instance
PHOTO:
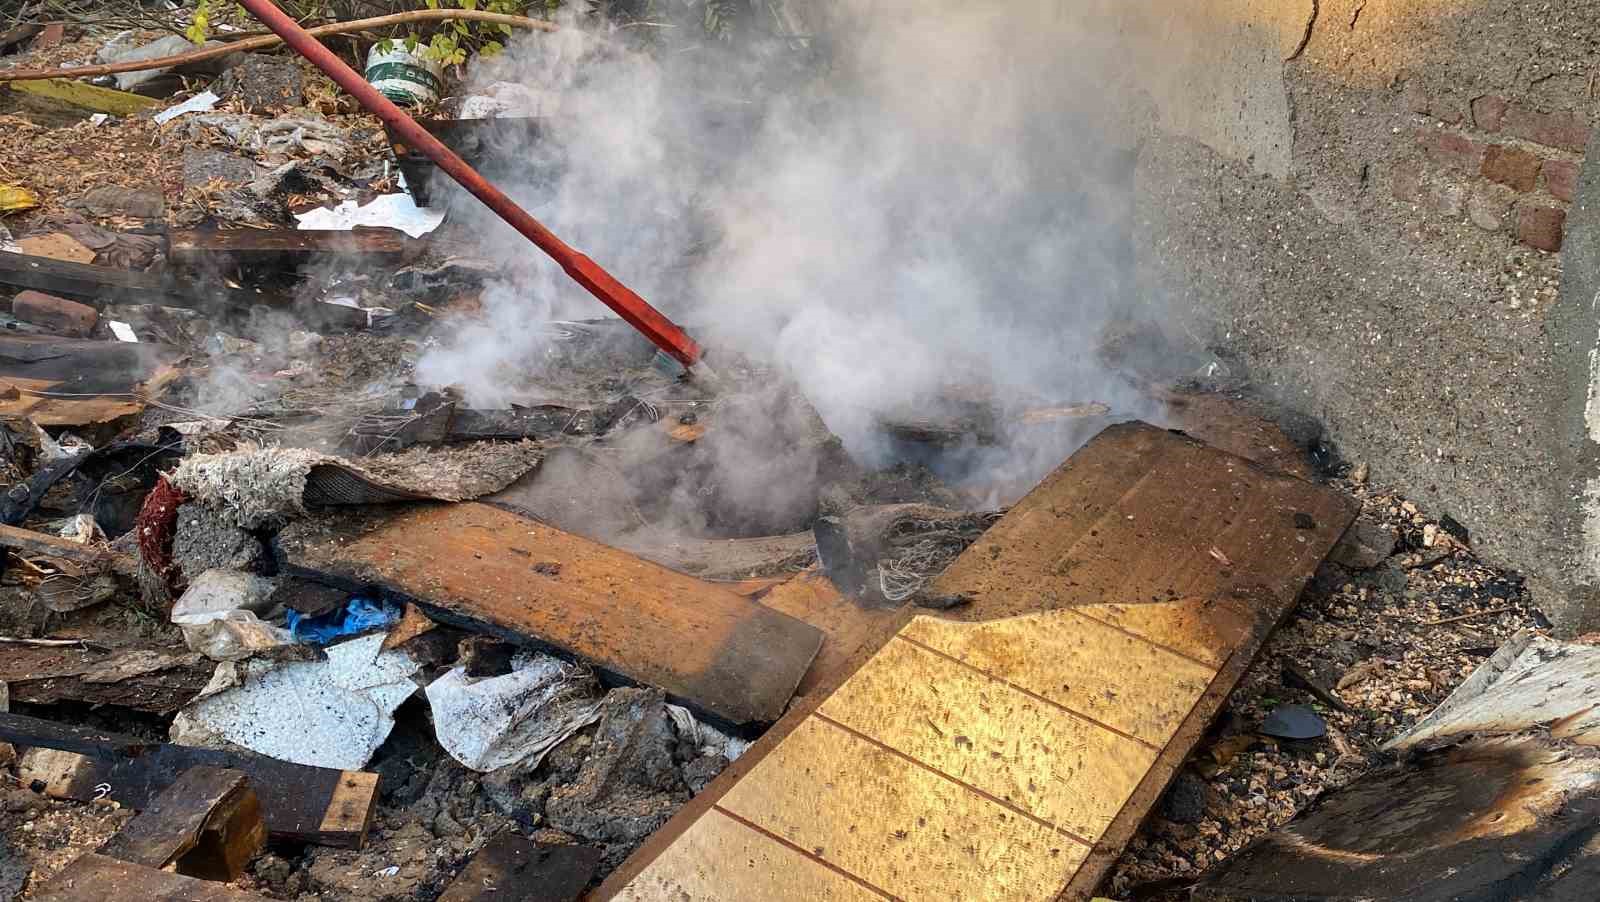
(957, 763)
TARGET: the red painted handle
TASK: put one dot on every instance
(662, 332)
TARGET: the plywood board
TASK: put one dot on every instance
(488, 568)
(1009, 749)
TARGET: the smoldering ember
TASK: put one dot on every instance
(722, 450)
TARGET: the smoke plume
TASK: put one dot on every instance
(917, 203)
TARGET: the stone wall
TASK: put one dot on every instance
(1358, 205)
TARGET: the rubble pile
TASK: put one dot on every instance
(281, 615)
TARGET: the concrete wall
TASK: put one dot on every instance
(1362, 204)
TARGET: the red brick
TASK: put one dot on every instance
(1561, 177)
(1488, 112)
(53, 34)
(59, 315)
(1406, 183)
(1542, 227)
(1511, 166)
(1564, 130)
(1448, 149)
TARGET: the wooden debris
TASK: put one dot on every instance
(57, 246)
(413, 623)
(106, 285)
(18, 34)
(1488, 819)
(207, 824)
(89, 97)
(141, 678)
(286, 247)
(491, 570)
(100, 877)
(727, 559)
(1038, 724)
(1298, 677)
(71, 382)
(510, 868)
(298, 803)
(43, 545)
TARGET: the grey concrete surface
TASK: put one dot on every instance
(1450, 358)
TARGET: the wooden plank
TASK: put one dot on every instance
(72, 382)
(106, 285)
(510, 868)
(43, 545)
(207, 824)
(143, 678)
(476, 565)
(87, 96)
(293, 247)
(298, 803)
(100, 877)
(848, 627)
(1009, 749)
(1492, 818)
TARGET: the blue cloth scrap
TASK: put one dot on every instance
(359, 615)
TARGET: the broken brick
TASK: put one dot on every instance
(1511, 166)
(1542, 227)
(1561, 177)
(59, 315)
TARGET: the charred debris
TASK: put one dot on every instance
(279, 619)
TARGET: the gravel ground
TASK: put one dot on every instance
(1391, 642)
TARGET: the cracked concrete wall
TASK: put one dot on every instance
(1362, 217)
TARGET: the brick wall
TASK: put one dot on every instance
(1504, 164)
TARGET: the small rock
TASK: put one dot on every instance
(202, 165)
(1185, 801)
(112, 200)
(1294, 722)
(1365, 545)
(702, 770)
(273, 870)
(1361, 473)
(262, 83)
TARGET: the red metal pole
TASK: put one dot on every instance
(662, 332)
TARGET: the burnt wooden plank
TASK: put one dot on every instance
(167, 679)
(101, 877)
(107, 285)
(510, 868)
(1489, 819)
(298, 803)
(1063, 693)
(72, 382)
(254, 247)
(493, 570)
(207, 824)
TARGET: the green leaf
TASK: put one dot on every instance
(411, 43)
(490, 48)
(469, 4)
(432, 4)
(459, 27)
(504, 28)
(386, 46)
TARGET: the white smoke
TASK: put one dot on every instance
(931, 199)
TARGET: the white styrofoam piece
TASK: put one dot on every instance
(199, 103)
(122, 331)
(397, 211)
(332, 713)
(490, 723)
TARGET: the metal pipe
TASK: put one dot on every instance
(662, 332)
